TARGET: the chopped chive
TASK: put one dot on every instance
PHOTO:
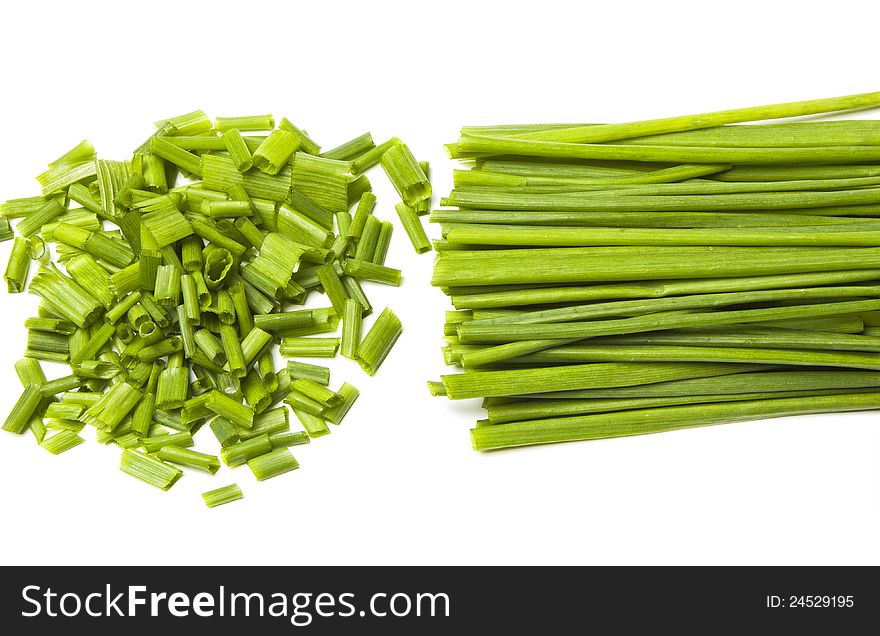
(189, 458)
(370, 158)
(287, 439)
(310, 347)
(272, 464)
(168, 280)
(172, 388)
(324, 181)
(307, 145)
(314, 425)
(366, 246)
(235, 360)
(353, 290)
(18, 419)
(225, 431)
(383, 241)
(153, 471)
(248, 122)
(332, 287)
(255, 393)
(337, 413)
(275, 151)
(316, 392)
(29, 371)
(239, 454)
(31, 224)
(184, 160)
(413, 226)
(378, 341)
(18, 266)
(364, 209)
(235, 412)
(366, 270)
(224, 495)
(352, 323)
(304, 403)
(238, 150)
(62, 441)
(254, 344)
(315, 373)
(268, 423)
(406, 174)
(182, 439)
(69, 298)
(351, 149)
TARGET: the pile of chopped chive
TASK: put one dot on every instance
(622, 279)
(183, 267)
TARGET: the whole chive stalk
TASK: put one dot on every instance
(153, 471)
(644, 421)
(224, 495)
(378, 341)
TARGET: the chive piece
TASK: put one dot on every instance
(352, 323)
(284, 321)
(312, 372)
(18, 266)
(172, 388)
(359, 220)
(383, 241)
(332, 287)
(224, 495)
(235, 412)
(268, 423)
(61, 442)
(337, 413)
(275, 151)
(413, 226)
(168, 286)
(191, 310)
(184, 160)
(351, 149)
(366, 270)
(272, 464)
(69, 298)
(370, 158)
(248, 122)
(238, 454)
(310, 347)
(153, 471)
(31, 224)
(306, 143)
(353, 290)
(284, 440)
(232, 349)
(255, 393)
(378, 341)
(324, 181)
(316, 392)
(366, 245)
(238, 150)
(29, 371)
(314, 425)
(189, 458)
(111, 409)
(254, 344)
(182, 439)
(18, 419)
(225, 431)
(406, 174)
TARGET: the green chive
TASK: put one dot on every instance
(272, 464)
(153, 471)
(378, 341)
(220, 496)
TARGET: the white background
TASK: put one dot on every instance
(397, 483)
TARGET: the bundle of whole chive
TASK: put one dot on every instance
(621, 279)
(170, 295)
